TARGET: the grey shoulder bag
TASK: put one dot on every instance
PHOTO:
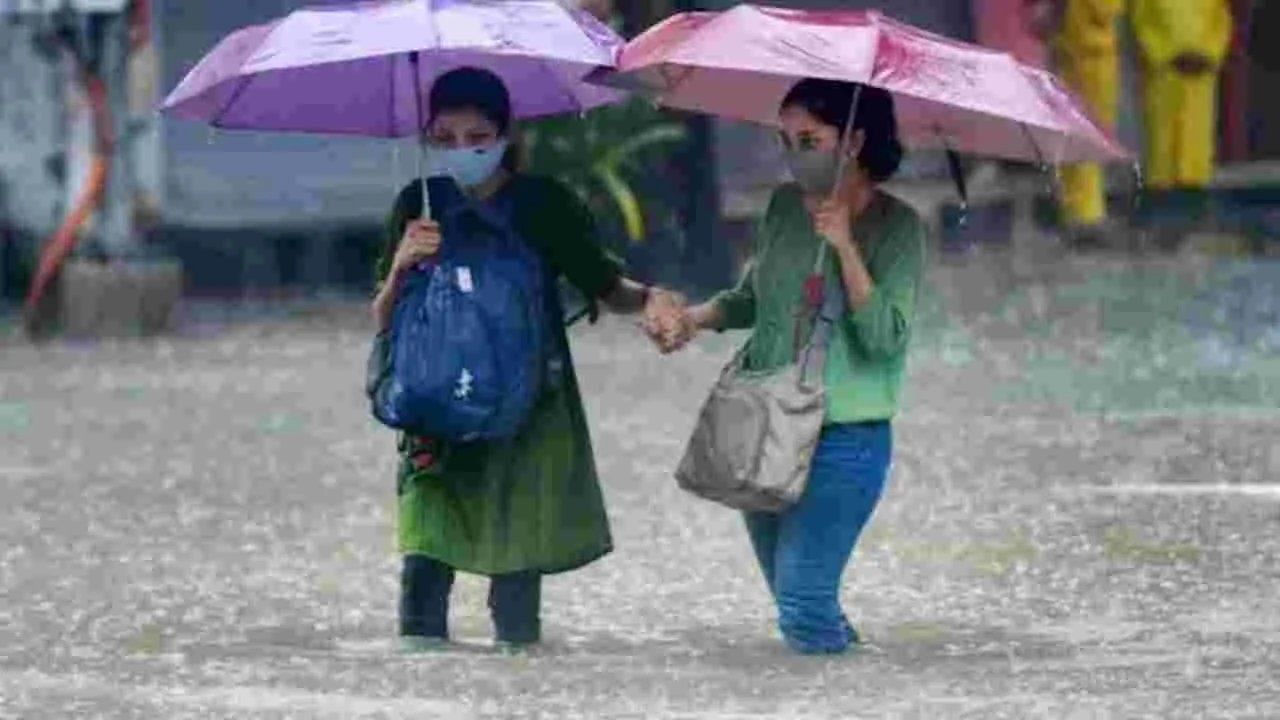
(756, 434)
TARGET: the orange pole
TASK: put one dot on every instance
(63, 241)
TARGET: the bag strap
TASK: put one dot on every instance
(833, 301)
(813, 358)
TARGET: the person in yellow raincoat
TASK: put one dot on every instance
(1087, 57)
(1182, 44)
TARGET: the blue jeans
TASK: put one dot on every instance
(803, 550)
(515, 602)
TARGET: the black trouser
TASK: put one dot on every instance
(515, 601)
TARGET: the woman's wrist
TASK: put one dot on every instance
(646, 295)
(705, 316)
(388, 285)
(629, 296)
(848, 251)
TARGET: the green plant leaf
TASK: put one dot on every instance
(656, 135)
(625, 200)
(602, 155)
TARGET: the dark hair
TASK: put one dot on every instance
(830, 102)
(473, 88)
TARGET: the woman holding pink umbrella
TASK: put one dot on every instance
(797, 435)
(878, 244)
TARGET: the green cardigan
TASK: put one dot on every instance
(865, 362)
(534, 502)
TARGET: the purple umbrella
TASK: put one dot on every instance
(363, 68)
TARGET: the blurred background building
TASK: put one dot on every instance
(250, 213)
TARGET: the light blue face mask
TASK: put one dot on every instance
(468, 166)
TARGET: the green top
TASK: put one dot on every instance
(533, 502)
(868, 350)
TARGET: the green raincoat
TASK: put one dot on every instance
(533, 502)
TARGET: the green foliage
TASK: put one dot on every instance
(603, 155)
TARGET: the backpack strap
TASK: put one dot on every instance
(591, 312)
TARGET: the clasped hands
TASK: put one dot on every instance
(667, 321)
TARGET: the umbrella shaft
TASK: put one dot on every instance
(846, 138)
(415, 64)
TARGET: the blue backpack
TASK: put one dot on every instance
(471, 345)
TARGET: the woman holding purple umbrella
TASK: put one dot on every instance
(879, 246)
(532, 506)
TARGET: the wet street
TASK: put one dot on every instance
(1083, 521)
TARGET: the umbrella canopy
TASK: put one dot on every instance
(364, 68)
(741, 62)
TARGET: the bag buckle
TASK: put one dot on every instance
(814, 290)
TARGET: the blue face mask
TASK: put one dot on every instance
(468, 166)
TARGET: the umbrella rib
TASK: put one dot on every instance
(1052, 182)
(573, 98)
(953, 164)
(1035, 147)
(247, 77)
(684, 73)
(391, 95)
(235, 95)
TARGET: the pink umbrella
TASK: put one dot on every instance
(1074, 115)
(949, 94)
